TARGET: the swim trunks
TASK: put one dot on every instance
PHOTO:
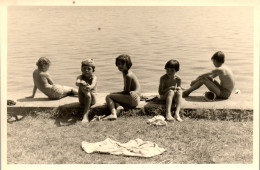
(224, 93)
(57, 92)
(135, 98)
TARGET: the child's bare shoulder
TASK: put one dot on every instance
(130, 75)
(163, 77)
(221, 70)
(177, 77)
(44, 74)
(79, 77)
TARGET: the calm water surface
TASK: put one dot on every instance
(150, 35)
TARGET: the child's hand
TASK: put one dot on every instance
(178, 88)
(87, 88)
(172, 88)
(83, 83)
(29, 97)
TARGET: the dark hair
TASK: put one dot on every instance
(124, 58)
(43, 61)
(173, 64)
(219, 56)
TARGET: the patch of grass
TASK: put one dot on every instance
(219, 114)
(38, 140)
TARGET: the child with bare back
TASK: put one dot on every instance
(170, 89)
(87, 83)
(130, 96)
(223, 89)
(44, 83)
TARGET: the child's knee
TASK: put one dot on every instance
(179, 93)
(87, 95)
(108, 98)
(170, 93)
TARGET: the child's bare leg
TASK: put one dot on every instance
(93, 98)
(70, 90)
(211, 85)
(197, 84)
(207, 81)
(178, 98)
(74, 91)
(169, 98)
(85, 100)
(111, 106)
(119, 108)
(111, 99)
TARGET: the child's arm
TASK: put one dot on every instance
(163, 90)
(93, 84)
(212, 74)
(78, 81)
(34, 91)
(127, 86)
(49, 79)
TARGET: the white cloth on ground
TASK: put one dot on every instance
(158, 120)
(136, 147)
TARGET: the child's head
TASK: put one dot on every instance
(124, 59)
(173, 64)
(86, 64)
(43, 63)
(219, 57)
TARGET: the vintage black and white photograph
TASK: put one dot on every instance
(130, 84)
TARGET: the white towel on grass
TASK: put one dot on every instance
(135, 147)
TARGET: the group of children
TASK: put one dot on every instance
(170, 89)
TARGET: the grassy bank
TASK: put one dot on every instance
(39, 138)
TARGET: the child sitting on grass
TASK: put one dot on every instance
(170, 89)
(44, 83)
(223, 89)
(130, 96)
(87, 83)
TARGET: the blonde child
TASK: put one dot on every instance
(87, 83)
(130, 96)
(43, 82)
(170, 89)
(223, 89)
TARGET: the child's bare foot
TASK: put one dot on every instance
(179, 119)
(84, 121)
(110, 117)
(119, 109)
(185, 94)
(170, 118)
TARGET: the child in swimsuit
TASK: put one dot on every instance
(170, 89)
(87, 83)
(130, 96)
(223, 89)
(43, 82)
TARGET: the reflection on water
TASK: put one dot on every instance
(150, 35)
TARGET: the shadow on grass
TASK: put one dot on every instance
(69, 114)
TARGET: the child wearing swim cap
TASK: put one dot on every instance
(87, 83)
(43, 82)
(130, 96)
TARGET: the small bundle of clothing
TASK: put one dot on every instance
(137, 147)
(158, 120)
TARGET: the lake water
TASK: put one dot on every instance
(150, 35)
